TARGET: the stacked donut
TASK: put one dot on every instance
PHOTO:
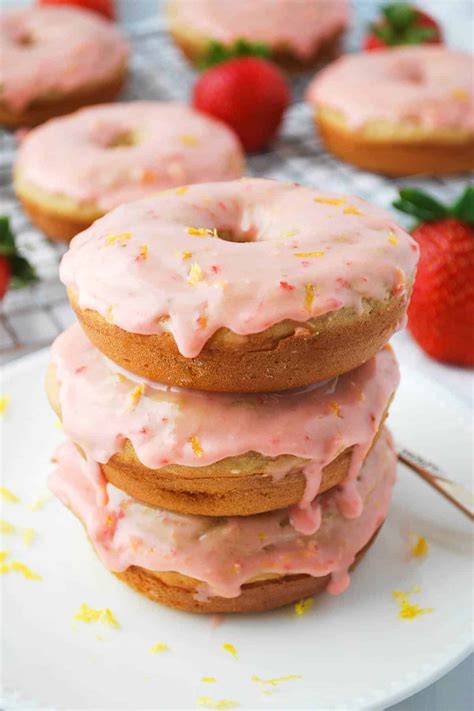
(225, 390)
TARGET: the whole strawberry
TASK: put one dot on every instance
(15, 270)
(402, 24)
(441, 312)
(248, 93)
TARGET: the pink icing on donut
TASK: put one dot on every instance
(299, 25)
(101, 409)
(110, 154)
(429, 86)
(55, 49)
(225, 553)
(295, 254)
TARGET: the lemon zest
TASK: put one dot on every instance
(159, 647)
(227, 647)
(330, 201)
(181, 190)
(136, 394)
(195, 274)
(28, 535)
(392, 239)
(208, 679)
(309, 296)
(275, 680)
(303, 255)
(209, 703)
(8, 495)
(3, 555)
(460, 94)
(143, 251)
(186, 255)
(304, 606)
(87, 614)
(4, 402)
(6, 527)
(187, 139)
(17, 567)
(196, 446)
(40, 502)
(409, 610)
(420, 548)
(351, 210)
(201, 231)
(120, 238)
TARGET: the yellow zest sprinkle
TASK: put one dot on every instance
(409, 610)
(181, 190)
(330, 201)
(289, 233)
(40, 502)
(4, 402)
(309, 296)
(88, 614)
(186, 255)
(201, 232)
(18, 567)
(208, 679)
(420, 548)
(460, 94)
(58, 424)
(109, 521)
(351, 210)
(202, 321)
(303, 255)
(120, 237)
(159, 647)
(188, 139)
(276, 680)
(304, 606)
(136, 394)
(392, 238)
(3, 555)
(8, 495)
(143, 251)
(230, 648)
(209, 703)
(335, 408)
(195, 274)
(196, 446)
(28, 536)
(6, 527)
(109, 314)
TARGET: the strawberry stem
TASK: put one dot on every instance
(218, 52)
(401, 25)
(426, 209)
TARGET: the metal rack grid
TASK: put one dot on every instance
(31, 318)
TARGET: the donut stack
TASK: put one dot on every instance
(225, 389)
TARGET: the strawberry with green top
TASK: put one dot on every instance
(15, 270)
(441, 311)
(402, 24)
(242, 88)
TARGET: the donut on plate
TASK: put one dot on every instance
(245, 286)
(55, 60)
(298, 33)
(217, 453)
(399, 111)
(72, 170)
(236, 564)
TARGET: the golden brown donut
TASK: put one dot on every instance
(178, 591)
(287, 355)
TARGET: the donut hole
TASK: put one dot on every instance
(25, 39)
(236, 235)
(123, 139)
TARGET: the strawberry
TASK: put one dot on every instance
(248, 93)
(15, 270)
(402, 24)
(103, 7)
(441, 312)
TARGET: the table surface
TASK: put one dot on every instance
(30, 319)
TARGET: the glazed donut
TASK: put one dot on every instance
(399, 111)
(217, 453)
(247, 286)
(55, 60)
(74, 169)
(298, 33)
(199, 563)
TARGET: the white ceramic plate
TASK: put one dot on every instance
(351, 651)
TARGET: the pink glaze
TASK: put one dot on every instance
(298, 256)
(77, 155)
(300, 26)
(101, 410)
(225, 553)
(426, 85)
(55, 49)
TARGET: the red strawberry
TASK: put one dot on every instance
(402, 24)
(15, 270)
(248, 93)
(103, 7)
(441, 312)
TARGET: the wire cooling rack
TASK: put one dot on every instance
(31, 318)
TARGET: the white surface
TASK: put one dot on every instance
(353, 651)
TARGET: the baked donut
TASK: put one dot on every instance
(243, 286)
(298, 33)
(217, 453)
(399, 111)
(74, 169)
(55, 60)
(236, 564)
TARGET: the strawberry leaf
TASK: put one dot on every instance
(415, 202)
(399, 15)
(463, 208)
(218, 52)
(22, 272)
